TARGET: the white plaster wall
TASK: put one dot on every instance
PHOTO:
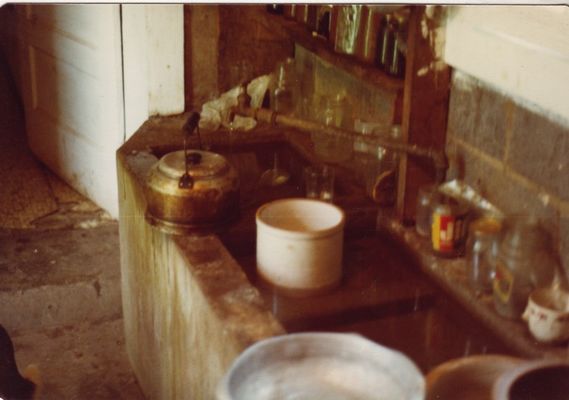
(79, 110)
(153, 56)
(522, 51)
(72, 89)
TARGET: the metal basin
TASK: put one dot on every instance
(321, 366)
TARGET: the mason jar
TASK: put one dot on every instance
(481, 252)
(525, 261)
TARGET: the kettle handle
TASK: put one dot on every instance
(192, 123)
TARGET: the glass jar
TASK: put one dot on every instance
(376, 167)
(426, 197)
(525, 262)
(366, 49)
(383, 188)
(481, 251)
(348, 28)
(396, 66)
(449, 222)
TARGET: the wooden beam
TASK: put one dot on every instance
(425, 108)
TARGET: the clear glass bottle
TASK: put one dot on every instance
(396, 65)
(324, 18)
(289, 10)
(385, 42)
(283, 93)
(347, 28)
(525, 262)
(277, 9)
(381, 174)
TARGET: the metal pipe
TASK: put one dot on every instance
(438, 157)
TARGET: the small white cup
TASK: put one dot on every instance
(547, 315)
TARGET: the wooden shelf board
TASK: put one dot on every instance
(323, 49)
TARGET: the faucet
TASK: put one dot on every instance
(437, 157)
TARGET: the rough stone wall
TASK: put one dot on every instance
(219, 36)
(515, 156)
(201, 53)
(247, 35)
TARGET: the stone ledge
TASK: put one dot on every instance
(451, 276)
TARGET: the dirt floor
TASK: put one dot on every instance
(59, 273)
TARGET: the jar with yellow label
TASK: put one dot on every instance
(449, 225)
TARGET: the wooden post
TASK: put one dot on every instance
(425, 108)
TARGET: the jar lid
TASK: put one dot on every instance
(454, 205)
(486, 226)
(205, 165)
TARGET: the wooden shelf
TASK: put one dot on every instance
(422, 97)
(323, 49)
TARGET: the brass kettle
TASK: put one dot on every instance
(188, 190)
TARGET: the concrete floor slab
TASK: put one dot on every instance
(84, 361)
(60, 300)
(33, 258)
(59, 277)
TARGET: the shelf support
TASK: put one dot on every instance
(425, 108)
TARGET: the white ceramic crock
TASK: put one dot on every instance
(299, 245)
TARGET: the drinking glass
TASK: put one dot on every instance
(425, 198)
(319, 181)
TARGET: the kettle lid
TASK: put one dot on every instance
(208, 164)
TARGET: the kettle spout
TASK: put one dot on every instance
(192, 123)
